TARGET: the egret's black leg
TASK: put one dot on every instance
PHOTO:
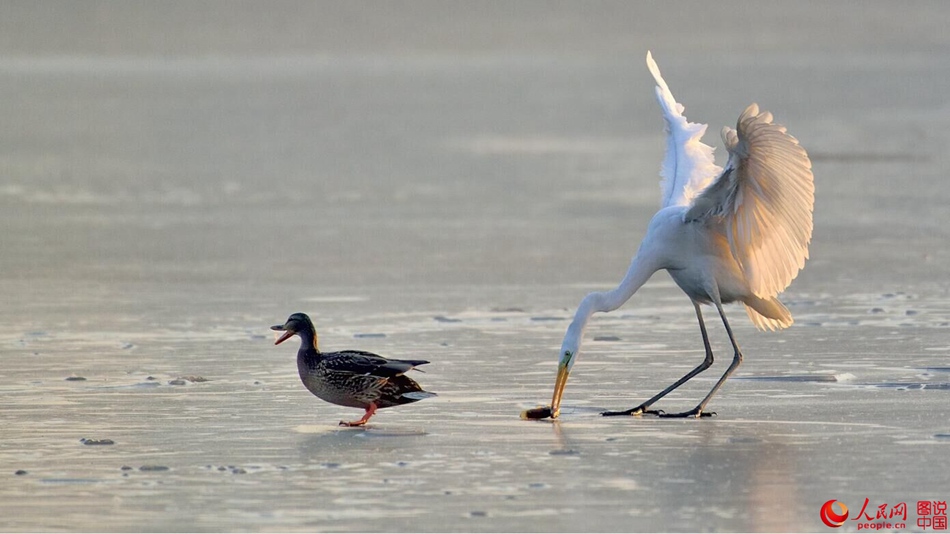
(644, 408)
(736, 360)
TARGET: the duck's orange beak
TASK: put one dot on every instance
(287, 334)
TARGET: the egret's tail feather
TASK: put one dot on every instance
(768, 314)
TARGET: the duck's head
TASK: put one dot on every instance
(298, 324)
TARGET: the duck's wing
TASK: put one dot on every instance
(359, 362)
(688, 166)
(764, 198)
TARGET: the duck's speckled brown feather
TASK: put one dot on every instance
(357, 378)
(353, 378)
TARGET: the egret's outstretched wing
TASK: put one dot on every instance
(688, 166)
(765, 198)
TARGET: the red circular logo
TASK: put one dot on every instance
(830, 517)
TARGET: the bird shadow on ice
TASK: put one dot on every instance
(318, 439)
(366, 431)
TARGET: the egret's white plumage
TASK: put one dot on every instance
(733, 234)
(688, 167)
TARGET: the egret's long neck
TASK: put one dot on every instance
(604, 301)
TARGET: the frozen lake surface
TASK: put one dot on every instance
(447, 184)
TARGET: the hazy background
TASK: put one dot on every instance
(130, 125)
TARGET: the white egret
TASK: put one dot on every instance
(738, 234)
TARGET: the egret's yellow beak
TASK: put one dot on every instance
(562, 372)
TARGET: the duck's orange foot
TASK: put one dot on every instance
(353, 423)
(370, 410)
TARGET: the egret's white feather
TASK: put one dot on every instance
(764, 198)
(688, 166)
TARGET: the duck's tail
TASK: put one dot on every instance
(402, 390)
(417, 395)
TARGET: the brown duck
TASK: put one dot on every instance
(351, 377)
